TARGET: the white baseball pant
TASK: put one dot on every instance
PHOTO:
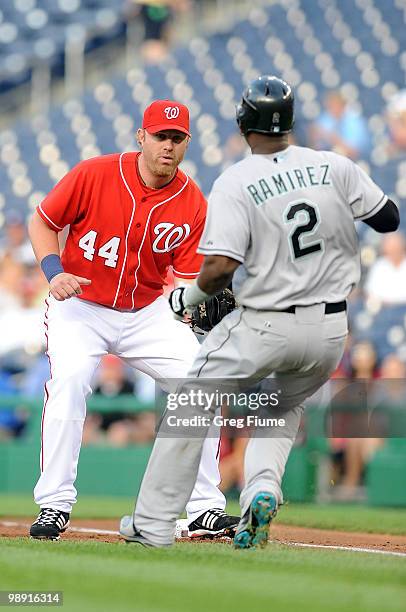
(79, 333)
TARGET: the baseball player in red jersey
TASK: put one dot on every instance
(130, 217)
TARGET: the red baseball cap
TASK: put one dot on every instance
(166, 115)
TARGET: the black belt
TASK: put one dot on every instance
(126, 310)
(329, 308)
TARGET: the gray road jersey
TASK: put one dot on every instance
(289, 219)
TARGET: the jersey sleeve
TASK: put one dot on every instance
(364, 196)
(61, 206)
(227, 229)
(186, 260)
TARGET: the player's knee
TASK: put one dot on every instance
(73, 381)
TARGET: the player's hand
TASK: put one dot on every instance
(178, 304)
(64, 286)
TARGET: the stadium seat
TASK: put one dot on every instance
(340, 44)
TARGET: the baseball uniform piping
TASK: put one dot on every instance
(219, 347)
(226, 252)
(128, 228)
(373, 210)
(145, 233)
(50, 220)
(46, 389)
(185, 273)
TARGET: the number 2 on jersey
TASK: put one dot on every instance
(308, 226)
(109, 250)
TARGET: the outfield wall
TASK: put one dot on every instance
(105, 470)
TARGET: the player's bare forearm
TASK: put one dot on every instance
(216, 273)
(44, 240)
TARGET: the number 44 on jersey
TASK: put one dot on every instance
(109, 250)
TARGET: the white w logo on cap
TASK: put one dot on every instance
(171, 112)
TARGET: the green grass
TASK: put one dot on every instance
(86, 507)
(208, 577)
(201, 578)
(344, 517)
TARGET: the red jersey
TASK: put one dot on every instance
(124, 235)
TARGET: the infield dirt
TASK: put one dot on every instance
(283, 534)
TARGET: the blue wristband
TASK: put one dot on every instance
(51, 266)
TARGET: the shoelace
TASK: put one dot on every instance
(218, 512)
(48, 516)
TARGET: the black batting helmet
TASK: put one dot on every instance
(267, 107)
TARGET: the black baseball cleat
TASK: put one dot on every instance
(214, 523)
(49, 524)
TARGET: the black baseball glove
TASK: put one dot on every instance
(206, 315)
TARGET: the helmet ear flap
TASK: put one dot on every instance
(246, 117)
(239, 113)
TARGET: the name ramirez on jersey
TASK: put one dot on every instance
(302, 204)
(289, 181)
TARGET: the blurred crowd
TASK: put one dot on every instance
(157, 17)
(23, 364)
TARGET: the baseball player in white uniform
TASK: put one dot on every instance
(283, 220)
(130, 217)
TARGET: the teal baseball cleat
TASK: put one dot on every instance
(253, 530)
